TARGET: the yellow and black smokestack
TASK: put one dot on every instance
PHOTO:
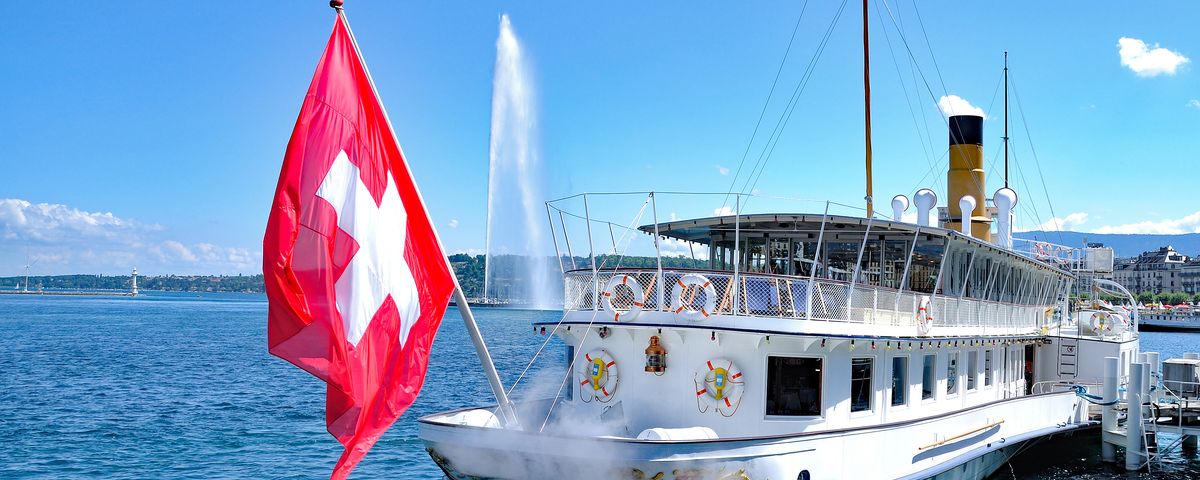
(966, 175)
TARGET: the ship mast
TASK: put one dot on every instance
(1006, 119)
(867, 104)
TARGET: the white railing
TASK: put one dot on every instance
(787, 297)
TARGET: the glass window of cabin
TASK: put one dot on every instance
(756, 255)
(860, 384)
(987, 368)
(803, 255)
(869, 271)
(972, 369)
(926, 261)
(952, 373)
(840, 259)
(794, 386)
(899, 380)
(928, 378)
(895, 254)
(779, 256)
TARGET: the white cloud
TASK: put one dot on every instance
(955, 105)
(1186, 224)
(723, 211)
(453, 223)
(1069, 223)
(1193, 103)
(1147, 61)
(65, 240)
(724, 171)
(674, 216)
(673, 247)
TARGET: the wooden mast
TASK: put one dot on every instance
(867, 101)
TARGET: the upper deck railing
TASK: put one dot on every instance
(837, 267)
(789, 297)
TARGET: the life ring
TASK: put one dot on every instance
(598, 377)
(684, 308)
(924, 316)
(719, 385)
(610, 290)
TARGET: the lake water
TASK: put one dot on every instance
(174, 385)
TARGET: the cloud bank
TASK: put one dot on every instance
(1170, 226)
(1148, 61)
(64, 239)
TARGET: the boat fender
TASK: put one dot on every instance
(610, 291)
(685, 307)
(598, 377)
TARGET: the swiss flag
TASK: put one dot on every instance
(355, 276)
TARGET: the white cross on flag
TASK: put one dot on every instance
(355, 276)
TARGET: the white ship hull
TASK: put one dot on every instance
(899, 450)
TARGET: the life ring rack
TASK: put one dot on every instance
(610, 290)
(685, 308)
(598, 377)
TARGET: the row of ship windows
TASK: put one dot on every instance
(794, 383)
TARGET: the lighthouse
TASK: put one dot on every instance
(133, 290)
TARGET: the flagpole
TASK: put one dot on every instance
(464, 308)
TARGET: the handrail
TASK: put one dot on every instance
(961, 435)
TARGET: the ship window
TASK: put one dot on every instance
(860, 384)
(927, 376)
(972, 369)
(952, 373)
(987, 368)
(899, 380)
(794, 386)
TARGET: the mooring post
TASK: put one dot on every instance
(1108, 413)
(1134, 437)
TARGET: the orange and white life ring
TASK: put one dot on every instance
(719, 385)
(686, 308)
(610, 291)
(597, 377)
(924, 316)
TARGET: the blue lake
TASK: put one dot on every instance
(175, 385)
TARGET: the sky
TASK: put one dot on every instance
(151, 134)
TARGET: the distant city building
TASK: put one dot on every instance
(1156, 271)
(1190, 276)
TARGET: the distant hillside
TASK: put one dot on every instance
(1124, 245)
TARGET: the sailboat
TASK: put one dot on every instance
(807, 345)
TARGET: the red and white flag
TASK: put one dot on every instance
(355, 277)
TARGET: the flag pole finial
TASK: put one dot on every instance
(336, 4)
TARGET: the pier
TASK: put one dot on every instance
(1138, 408)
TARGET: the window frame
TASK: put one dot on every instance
(933, 383)
(972, 370)
(821, 386)
(904, 384)
(870, 385)
(953, 388)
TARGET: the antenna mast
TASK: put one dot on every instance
(867, 103)
(1006, 119)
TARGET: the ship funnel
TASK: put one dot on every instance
(925, 200)
(966, 176)
(899, 206)
(1005, 200)
(966, 205)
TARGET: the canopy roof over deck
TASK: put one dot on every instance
(704, 230)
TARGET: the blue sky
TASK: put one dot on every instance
(151, 133)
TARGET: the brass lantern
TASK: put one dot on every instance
(656, 357)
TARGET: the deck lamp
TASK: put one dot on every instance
(656, 356)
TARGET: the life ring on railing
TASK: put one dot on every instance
(924, 316)
(719, 385)
(684, 308)
(598, 377)
(610, 290)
